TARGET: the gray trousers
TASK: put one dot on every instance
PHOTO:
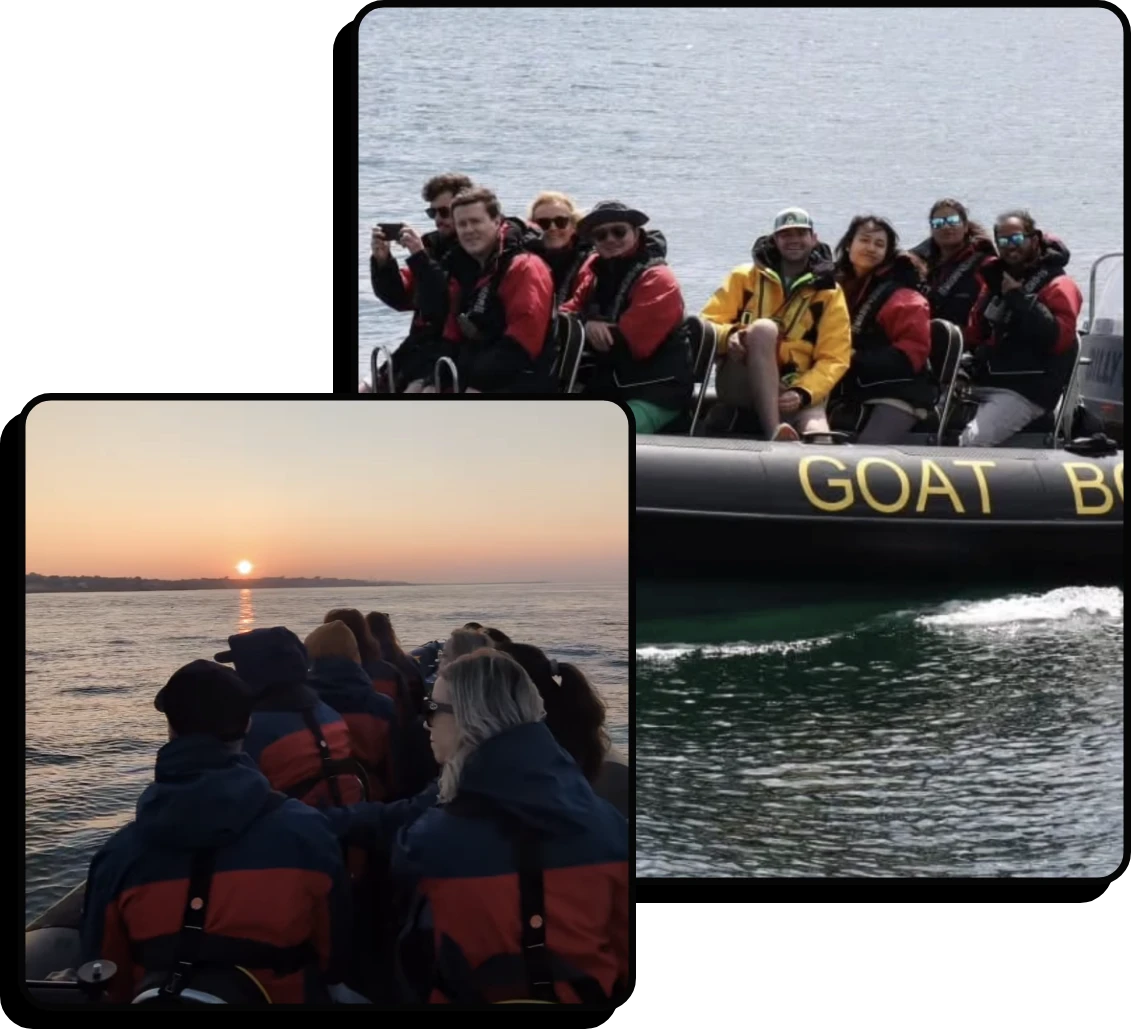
(1001, 414)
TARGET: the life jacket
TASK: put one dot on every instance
(666, 377)
(893, 380)
(1011, 357)
(953, 286)
(533, 973)
(210, 970)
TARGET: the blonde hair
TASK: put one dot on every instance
(490, 693)
(462, 642)
(551, 197)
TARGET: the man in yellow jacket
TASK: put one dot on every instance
(784, 332)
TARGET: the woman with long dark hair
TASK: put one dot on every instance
(954, 254)
(575, 714)
(381, 629)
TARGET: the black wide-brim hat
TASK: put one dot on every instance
(611, 211)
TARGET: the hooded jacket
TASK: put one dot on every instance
(463, 939)
(640, 297)
(565, 264)
(280, 741)
(1025, 339)
(279, 898)
(421, 287)
(891, 337)
(343, 685)
(953, 284)
(815, 335)
(499, 315)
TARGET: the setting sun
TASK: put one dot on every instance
(244, 567)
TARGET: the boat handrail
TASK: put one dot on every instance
(451, 365)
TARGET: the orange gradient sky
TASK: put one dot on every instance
(440, 491)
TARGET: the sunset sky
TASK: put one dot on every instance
(442, 491)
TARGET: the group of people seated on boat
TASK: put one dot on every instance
(803, 332)
(328, 824)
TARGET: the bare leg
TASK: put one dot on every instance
(416, 386)
(811, 419)
(762, 372)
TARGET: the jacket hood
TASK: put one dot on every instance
(268, 657)
(767, 255)
(333, 678)
(204, 795)
(525, 773)
(906, 270)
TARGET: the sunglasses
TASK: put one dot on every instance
(615, 231)
(1014, 240)
(443, 212)
(558, 223)
(432, 708)
(950, 219)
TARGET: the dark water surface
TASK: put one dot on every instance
(880, 736)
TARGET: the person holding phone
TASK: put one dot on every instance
(422, 285)
(1022, 331)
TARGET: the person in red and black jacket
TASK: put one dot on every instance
(520, 874)
(501, 301)
(1022, 331)
(422, 286)
(954, 254)
(336, 676)
(289, 721)
(888, 383)
(276, 901)
(633, 311)
(385, 677)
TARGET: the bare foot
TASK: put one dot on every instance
(785, 434)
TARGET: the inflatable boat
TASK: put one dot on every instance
(1047, 505)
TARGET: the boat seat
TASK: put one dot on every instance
(567, 336)
(702, 341)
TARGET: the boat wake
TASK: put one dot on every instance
(673, 652)
(1074, 603)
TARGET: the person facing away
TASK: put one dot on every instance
(575, 714)
(888, 386)
(385, 677)
(300, 743)
(462, 642)
(336, 676)
(520, 872)
(954, 253)
(784, 333)
(501, 301)
(560, 246)
(269, 890)
(380, 627)
(421, 286)
(1022, 331)
(631, 304)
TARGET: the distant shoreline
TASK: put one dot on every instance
(34, 583)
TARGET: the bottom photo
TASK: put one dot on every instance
(327, 702)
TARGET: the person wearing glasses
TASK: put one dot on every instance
(887, 387)
(560, 247)
(784, 333)
(501, 300)
(1022, 331)
(521, 871)
(954, 254)
(421, 286)
(633, 310)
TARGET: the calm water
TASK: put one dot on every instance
(95, 662)
(712, 119)
(981, 736)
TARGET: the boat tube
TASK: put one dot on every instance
(745, 507)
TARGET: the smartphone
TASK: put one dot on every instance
(392, 230)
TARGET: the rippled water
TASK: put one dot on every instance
(94, 663)
(712, 119)
(981, 736)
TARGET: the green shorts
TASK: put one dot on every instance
(650, 418)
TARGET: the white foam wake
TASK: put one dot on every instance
(1059, 605)
(670, 653)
